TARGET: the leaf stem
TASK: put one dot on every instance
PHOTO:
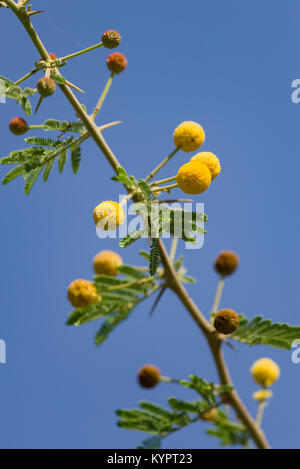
(260, 412)
(164, 188)
(81, 52)
(218, 295)
(28, 75)
(161, 165)
(163, 181)
(102, 97)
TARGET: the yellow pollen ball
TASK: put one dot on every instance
(211, 161)
(262, 395)
(108, 215)
(107, 263)
(82, 293)
(193, 178)
(189, 136)
(265, 371)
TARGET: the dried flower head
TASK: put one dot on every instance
(116, 62)
(193, 178)
(211, 161)
(18, 126)
(149, 376)
(52, 56)
(265, 371)
(111, 39)
(226, 321)
(226, 263)
(189, 136)
(82, 293)
(107, 263)
(46, 87)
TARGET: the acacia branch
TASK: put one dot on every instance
(213, 339)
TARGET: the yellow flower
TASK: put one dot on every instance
(265, 371)
(193, 178)
(262, 395)
(82, 293)
(110, 214)
(189, 136)
(211, 161)
(107, 263)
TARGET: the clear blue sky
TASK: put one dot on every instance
(228, 65)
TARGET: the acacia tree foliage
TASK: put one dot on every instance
(119, 296)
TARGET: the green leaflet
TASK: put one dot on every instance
(62, 126)
(13, 174)
(62, 161)
(48, 169)
(151, 443)
(154, 257)
(229, 433)
(31, 179)
(16, 93)
(109, 325)
(263, 331)
(76, 158)
(132, 237)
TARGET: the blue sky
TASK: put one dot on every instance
(227, 65)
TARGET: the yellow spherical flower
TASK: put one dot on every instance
(82, 293)
(189, 136)
(211, 161)
(108, 215)
(265, 371)
(262, 395)
(193, 177)
(107, 263)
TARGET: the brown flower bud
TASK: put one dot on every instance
(111, 39)
(226, 321)
(149, 376)
(18, 126)
(226, 263)
(116, 62)
(52, 56)
(46, 87)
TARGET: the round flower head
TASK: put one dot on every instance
(262, 395)
(82, 293)
(226, 263)
(108, 215)
(189, 136)
(111, 39)
(211, 161)
(18, 126)
(46, 87)
(226, 321)
(265, 371)
(116, 62)
(149, 376)
(210, 415)
(193, 178)
(107, 263)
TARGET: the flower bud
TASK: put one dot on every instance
(82, 293)
(116, 62)
(107, 263)
(18, 126)
(149, 376)
(226, 263)
(46, 87)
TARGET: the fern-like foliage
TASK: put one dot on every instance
(161, 422)
(119, 296)
(16, 93)
(264, 331)
(154, 257)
